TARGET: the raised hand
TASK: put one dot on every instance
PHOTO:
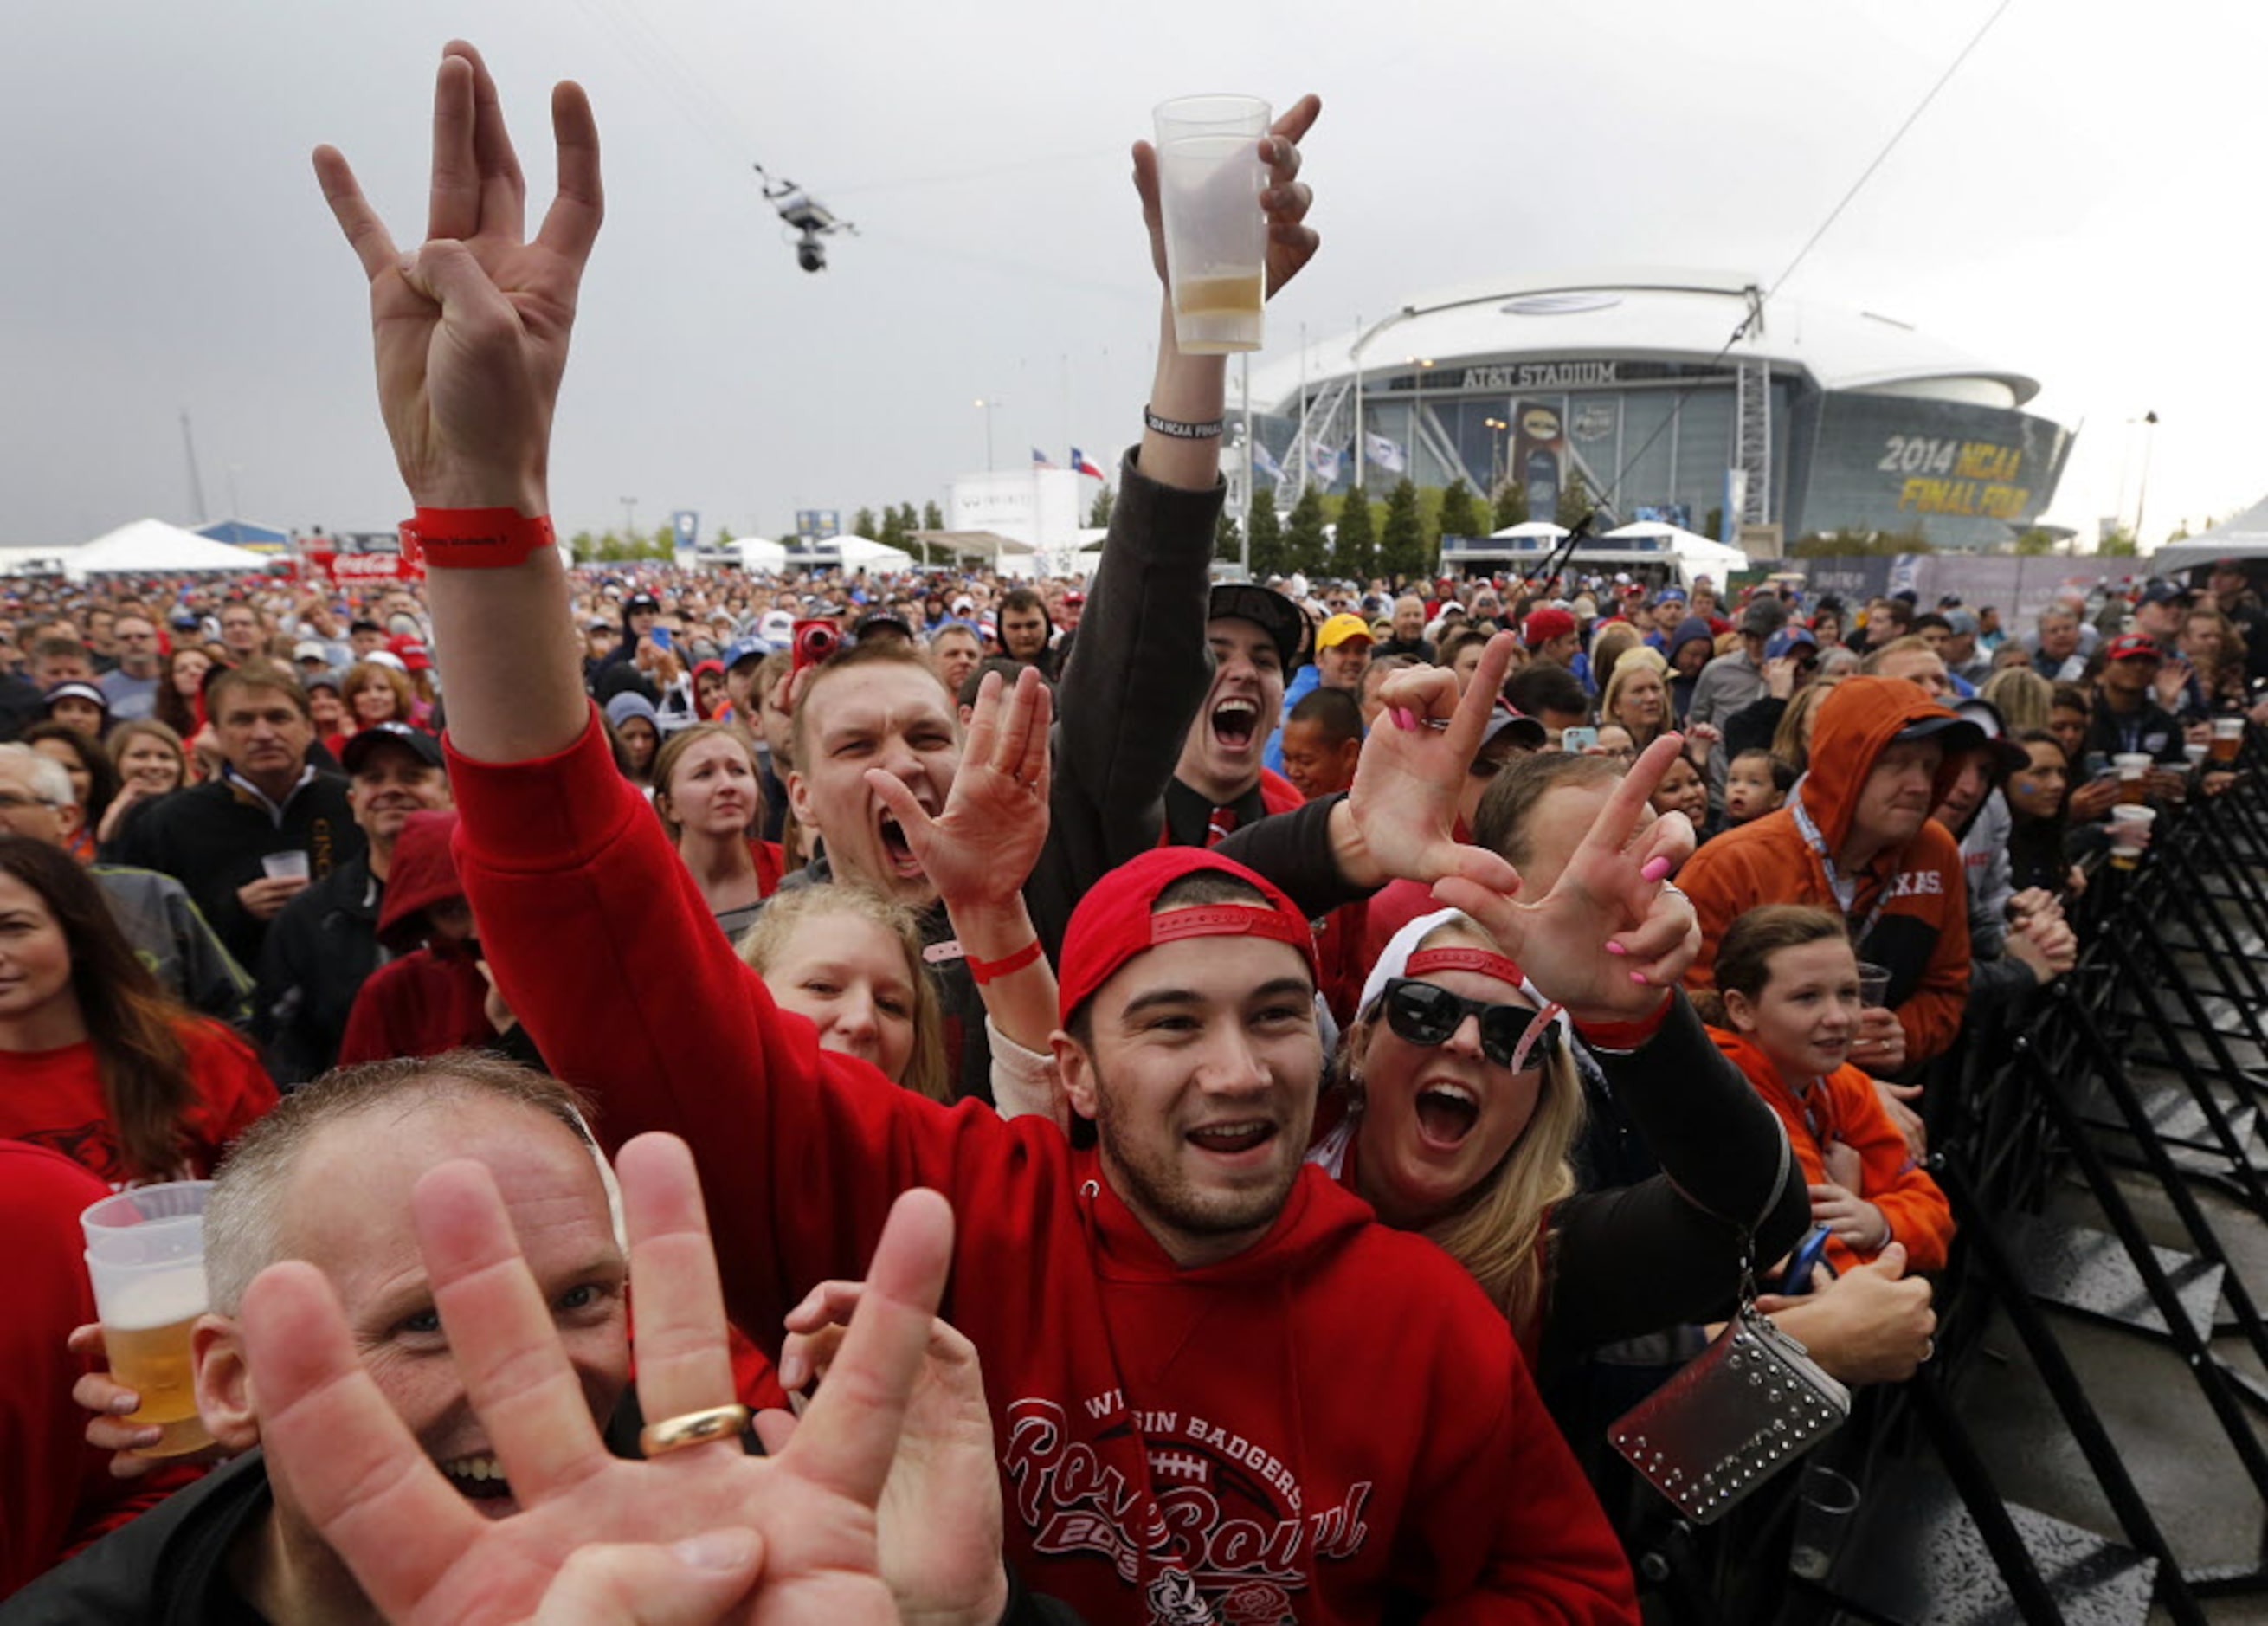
(981, 849)
(422, 1552)
(471, 330)
(1402, 808)
(941, 1515)
(1291, 242)
(1611, 936)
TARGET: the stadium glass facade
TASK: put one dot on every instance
(1657, 437)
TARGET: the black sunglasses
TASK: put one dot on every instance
(1425, 1013)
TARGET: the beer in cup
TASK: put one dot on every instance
(2130, 827)
(2227, 738)
(1874, 984)
(145, 1253)
(290, 865)
(1210, 178)
(2133, 770)
(2196, 754)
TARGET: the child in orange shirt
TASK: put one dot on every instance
(1787, 984)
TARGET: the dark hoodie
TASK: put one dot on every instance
(1921, 934)
(1680, 687)
(433, 998)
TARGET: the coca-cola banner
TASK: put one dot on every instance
(346, 568)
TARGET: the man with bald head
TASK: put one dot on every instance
(1409, 640)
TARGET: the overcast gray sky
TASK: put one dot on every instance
(2080, 204)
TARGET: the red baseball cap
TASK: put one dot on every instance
(2133, 646)
(1545, 625)
(1115, 921)
(411, 652)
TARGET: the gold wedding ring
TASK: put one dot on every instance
(692, 1428)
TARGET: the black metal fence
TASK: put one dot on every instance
(2130, 1091)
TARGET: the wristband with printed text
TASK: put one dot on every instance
(474, 538)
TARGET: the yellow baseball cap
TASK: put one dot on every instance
(1343, 628)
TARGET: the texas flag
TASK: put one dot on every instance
(1080, 465)
(1040, 459)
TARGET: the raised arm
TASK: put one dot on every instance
(471, 331)
(1139, 668)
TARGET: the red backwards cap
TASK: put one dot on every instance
(1113, 923)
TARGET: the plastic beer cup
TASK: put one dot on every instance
(2227, 738)
(2134, 768)
(1210, 178)
(2129, 827)
(145, 1254)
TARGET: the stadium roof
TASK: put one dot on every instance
(1651, 314)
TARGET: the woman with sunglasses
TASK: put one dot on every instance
(1456, 1113)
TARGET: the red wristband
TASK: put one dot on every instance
(1625, 1035)
(985, 970)
(474, 538)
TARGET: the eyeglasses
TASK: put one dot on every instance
(10, 803)
(1425, 1013)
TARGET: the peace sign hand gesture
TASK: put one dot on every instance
(697, 1522)
(471, 330)
(1611, 934)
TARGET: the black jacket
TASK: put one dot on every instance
(170, 1566)
(1135, 679)
(212, 837)
(319, 951)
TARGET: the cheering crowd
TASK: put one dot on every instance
(1208, 1099)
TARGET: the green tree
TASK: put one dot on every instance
(663, 544)
(2034, 543)
(932, 517)
(1713, 526)
(1461, 511)
(862, 523)
(1575, 501)
(2119, 543)
(1402, 552)
(1098, 515)
(1227, 540)
(1354, 549)
(1511, 506)
(1306, 548)
(1270, 555)
(909, 520)
(584, 546)
(893, 534)
(724, 535)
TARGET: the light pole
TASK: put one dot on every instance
(1418, 416)
(1497, 429)
(2142, 492)
(985, 404)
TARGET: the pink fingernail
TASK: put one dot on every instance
(1655, 870)
(1404, 718)
(1614, 947)
(1638, 977)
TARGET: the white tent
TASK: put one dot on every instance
(1544, 529)
(153, 547)
(865, 553)
(757, 553)
(1700, 556)
(2243, 537)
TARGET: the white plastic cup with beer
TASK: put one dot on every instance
(2133, 770)
(145, 1254)
(1210, 177)
(2227, 738)
(2130, 829)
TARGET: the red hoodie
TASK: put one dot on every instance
(1332, 1416)
(1921, 936)
(431, 1000)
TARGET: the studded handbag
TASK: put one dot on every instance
(1735, 1415)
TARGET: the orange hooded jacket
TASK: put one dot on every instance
(1921, 935)
(1843, 1106)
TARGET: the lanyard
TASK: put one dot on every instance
(1845, 892)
